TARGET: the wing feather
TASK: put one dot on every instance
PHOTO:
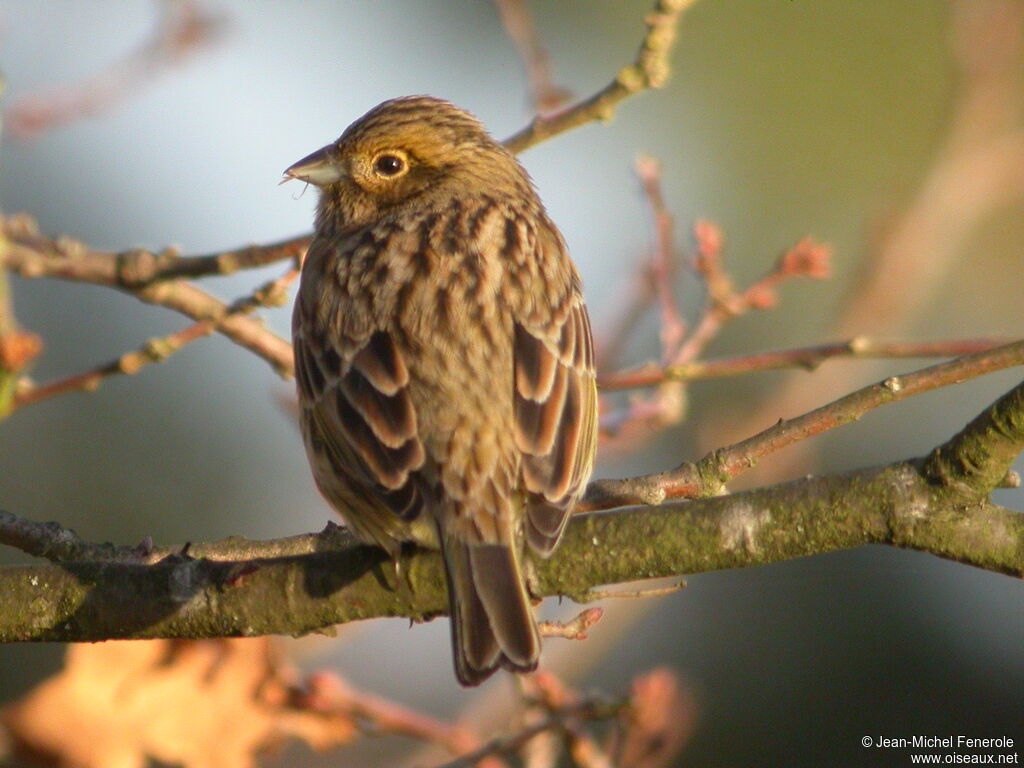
(362, 415)
(555, 417)
(535, 366)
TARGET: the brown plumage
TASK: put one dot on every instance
(445, 363)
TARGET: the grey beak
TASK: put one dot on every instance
(319, 168)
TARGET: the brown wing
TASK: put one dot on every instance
(362, 427)
(555, 417)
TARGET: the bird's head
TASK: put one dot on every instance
(415, 147)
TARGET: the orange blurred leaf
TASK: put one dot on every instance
(198, 704)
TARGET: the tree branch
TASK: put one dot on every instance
(338, 581)
(709, 475)
(981, 455)
(650, 70)
(271, 293)
(33, 255)
(185, 597)
(807, 358)
(690, 480)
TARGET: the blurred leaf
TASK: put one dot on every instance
(197, 704)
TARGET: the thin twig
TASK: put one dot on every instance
(663, 263)
(653, 278)
(185, 28)
(272, 293)
(805, 259)
(32, 255)
(507, 745)
(247, 332)
(667, 404)
(650, 70)
(545, 94)
(636, 594)
(807, 358)
(710, 474)
(130, 363)
(326, 692)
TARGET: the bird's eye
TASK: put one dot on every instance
(389, 165)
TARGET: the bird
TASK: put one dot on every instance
(445, 362)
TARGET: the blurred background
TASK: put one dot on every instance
(876, 127)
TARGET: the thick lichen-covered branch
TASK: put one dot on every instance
(185, 597)
(337, 580)
(980, 456)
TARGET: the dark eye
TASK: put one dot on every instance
(389, 165)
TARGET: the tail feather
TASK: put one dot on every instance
(492, 622)
(474, 646)
(499, 585)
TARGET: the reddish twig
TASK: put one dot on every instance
(807, 358)
(805, 259)
(18, 348)
(709, 476)
(654, 278)
(667, 404)
(663, 263)
(184, 29)
(559, 720)
(153, 351)
(326, 692)
(518, 22)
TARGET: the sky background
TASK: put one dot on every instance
(783, 118)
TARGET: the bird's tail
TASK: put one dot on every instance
(492, 621)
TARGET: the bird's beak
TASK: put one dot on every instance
(319, 168)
